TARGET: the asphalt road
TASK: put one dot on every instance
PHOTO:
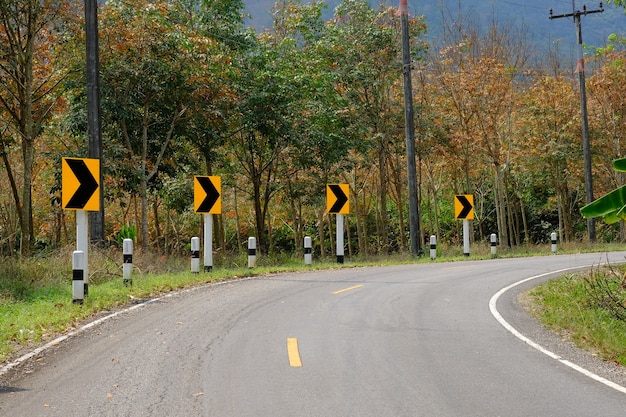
(414, 340)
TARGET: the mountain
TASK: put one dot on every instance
(532, 16)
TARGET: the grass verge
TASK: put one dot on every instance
(588, 308)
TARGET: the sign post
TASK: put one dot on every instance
(208, 242)
(464, 210)
(466, 237)
(339, 236)
(82, 243)
(338, 202)
(207, 201)
(80, 191)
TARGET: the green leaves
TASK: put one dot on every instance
(620, 165)
(612, 206)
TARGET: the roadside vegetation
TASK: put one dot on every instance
(187, 89)
(587, 308)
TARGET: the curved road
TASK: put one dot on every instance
(413, 340)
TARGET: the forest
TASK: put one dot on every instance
(187, 89)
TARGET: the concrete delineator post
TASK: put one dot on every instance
(251, 252)
(433, 247)
(308, 250)
(78, 277)
(195, 255)
(128, 261)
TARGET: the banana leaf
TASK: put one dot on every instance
(611, 207)
(620, 165)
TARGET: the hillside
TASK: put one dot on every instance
(529, 15)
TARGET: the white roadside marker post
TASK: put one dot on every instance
(251, 252)
(127, 246)
(195, 255)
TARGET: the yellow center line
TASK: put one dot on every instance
(348, 289)
(293, 353)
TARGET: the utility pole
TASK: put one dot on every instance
(414, 226)
(580, 69)
(93, 110)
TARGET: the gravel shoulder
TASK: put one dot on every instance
(519, 315)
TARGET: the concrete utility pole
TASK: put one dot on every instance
(93, 109)
(580, 69)
(415, 232)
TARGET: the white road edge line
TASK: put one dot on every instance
(5, 369)
(494, 311)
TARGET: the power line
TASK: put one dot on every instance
(577, 14)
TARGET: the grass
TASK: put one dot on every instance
(36, 294)
(588, 309)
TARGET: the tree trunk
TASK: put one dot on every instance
(26, 242)
(501, 207)
(331, 236)
(259, 215)
(384, 245)
(157, 224)
(13, 183)
(144, 213)
(524, 220)
(320, 233)
(237, 221)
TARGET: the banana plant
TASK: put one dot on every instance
(612, 206)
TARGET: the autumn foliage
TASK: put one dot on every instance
(188, 89)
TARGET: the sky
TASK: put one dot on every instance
(532, 15)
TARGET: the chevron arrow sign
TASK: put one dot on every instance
(337, 198)
(464, 207)
(80, 184)
(207, 198)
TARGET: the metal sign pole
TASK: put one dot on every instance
(466, 237)
(208, 242)
(82, 242)
(340, 238)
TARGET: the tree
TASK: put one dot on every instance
(212, 113)
(608, 106)
(267, 90)
(617, 3)
(551, 149)
(607, 86)
(478, 78)
(32, 46)
(321, 145)
(149, 77)
(364, 46)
